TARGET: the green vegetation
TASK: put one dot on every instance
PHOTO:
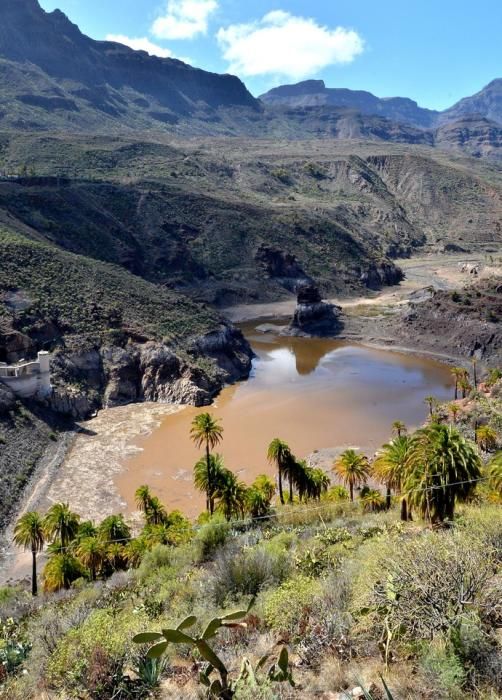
(350, 588)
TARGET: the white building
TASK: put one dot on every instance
(28, 379)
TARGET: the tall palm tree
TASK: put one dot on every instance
(399, 428)
(114, 529)
(279, 453)
(62, 523)
(292, 471)
(389, 467)
(231, 496)
(29, 533)
(442, 468)
(91, 552)
(486, 438)
(142, 498)
(207, 479)
(353, 468)
(206, 431)
(458, 373)
(495, 472)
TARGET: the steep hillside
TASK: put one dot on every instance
(51, 75)
(185, 215)
(487, 103)
(115, 337)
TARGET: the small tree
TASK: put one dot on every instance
(353, 468)
(207, 431)
(29, 533)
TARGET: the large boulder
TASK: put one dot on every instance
(312, 316)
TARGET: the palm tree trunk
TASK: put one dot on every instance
(281, 495)
(404, 510)
(34, 587)
(388, 498)
(351, 488)
(209, 484)
(290, 490)
(456, 390)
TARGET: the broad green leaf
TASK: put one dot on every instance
(156, 651)
(204, 679)
(389, 694)
(207, 653)
(262, 661)
(235, 615)
(212, 628)
(283, 660)
(177, 637)
(146, 637)
(187, 622)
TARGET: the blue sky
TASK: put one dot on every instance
(434, 51)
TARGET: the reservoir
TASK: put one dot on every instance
(312, 393)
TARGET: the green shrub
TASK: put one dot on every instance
(443, 670)
(286, 607)
(211, 537)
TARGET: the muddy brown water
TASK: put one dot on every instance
(312, 393)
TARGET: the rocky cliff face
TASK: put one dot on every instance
(313, 316)
(111, 375)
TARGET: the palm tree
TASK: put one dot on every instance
(486, 438)
(320, 483)
(135, 550)
(431, 402)
(372, 500)
(279, 453)
(353, 468)
(264, 484)
(465, 385)
(62, 523)
(60, 572)
(207, 479)
(86, 529)
(474, 363)
(399, 428)
(257, 504)
(143, 498)
(116, 556)
(292, 471)
(442, 468)
(91, 552)
(454, 409)
(231, 495)
(495, 472)
(156, 514)
(458, 373)
(389, 467)
(206, 431)
(114, 529)
(29, 533)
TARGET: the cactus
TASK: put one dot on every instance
(220, 687)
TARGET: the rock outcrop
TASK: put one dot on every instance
(113, 375)
(283, 267)
(313, 316)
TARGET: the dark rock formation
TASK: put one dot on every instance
(314, 317)
(282, 267)
(381, 275)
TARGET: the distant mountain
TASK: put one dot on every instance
(314, 93)
(52, 75)
(487, 104)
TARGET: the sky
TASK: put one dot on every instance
(434, 51)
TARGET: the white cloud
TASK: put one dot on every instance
(141, 44)
(283, 44)
(184, 19)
